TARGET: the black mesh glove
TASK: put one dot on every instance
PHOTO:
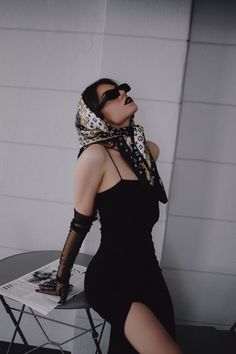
(79, 227)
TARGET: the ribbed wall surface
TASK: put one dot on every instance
(200, 241)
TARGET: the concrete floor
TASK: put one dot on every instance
(205, 340)
(192, 340)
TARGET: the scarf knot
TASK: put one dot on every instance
(130, 141)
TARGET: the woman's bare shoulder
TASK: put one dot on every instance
(91, 164)
(154, 149)
(94, 153)
(89, 171)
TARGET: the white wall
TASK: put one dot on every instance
(200, 241)
(49, 52)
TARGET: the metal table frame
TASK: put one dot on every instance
(23, 263)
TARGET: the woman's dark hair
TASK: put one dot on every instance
(90, 96)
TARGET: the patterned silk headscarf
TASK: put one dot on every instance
(130, 141)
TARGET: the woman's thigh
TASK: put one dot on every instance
(146, 333)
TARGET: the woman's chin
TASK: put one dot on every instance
(133, 110)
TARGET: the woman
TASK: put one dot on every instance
(116, 176)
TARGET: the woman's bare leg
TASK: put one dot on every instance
(146, 333)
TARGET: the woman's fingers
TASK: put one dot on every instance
(63, 294)
(57, 289)
(63, 291)
(47, 291)
(49, 287)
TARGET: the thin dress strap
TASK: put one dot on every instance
(114, 163)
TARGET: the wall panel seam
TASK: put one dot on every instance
(39, 88)
(202, 218)
(14, 248)
(122, 35)
(181, 96)
(102, 41)
(189, 270)
(210, 103)
(41, 200)
(179, 319)
(37, 145)
(220, 44)
(129, 35)
(39, 30)
(215, 162)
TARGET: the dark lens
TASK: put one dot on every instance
(112, 94)
(124, 87)
(109, 95)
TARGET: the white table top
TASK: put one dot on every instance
(17, 265)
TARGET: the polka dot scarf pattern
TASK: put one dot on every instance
(130, 141)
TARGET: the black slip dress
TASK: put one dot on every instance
(125, 268)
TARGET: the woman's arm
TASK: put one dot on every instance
(154, 149)
(89, 170)
(88, 175)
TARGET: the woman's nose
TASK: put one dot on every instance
(122, 93)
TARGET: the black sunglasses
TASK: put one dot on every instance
(112, 94)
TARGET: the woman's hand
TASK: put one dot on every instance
(54, 287)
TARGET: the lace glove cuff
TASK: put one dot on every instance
(79, 227)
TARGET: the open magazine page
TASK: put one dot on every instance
(23, 288)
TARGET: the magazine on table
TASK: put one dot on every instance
(23, 288)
